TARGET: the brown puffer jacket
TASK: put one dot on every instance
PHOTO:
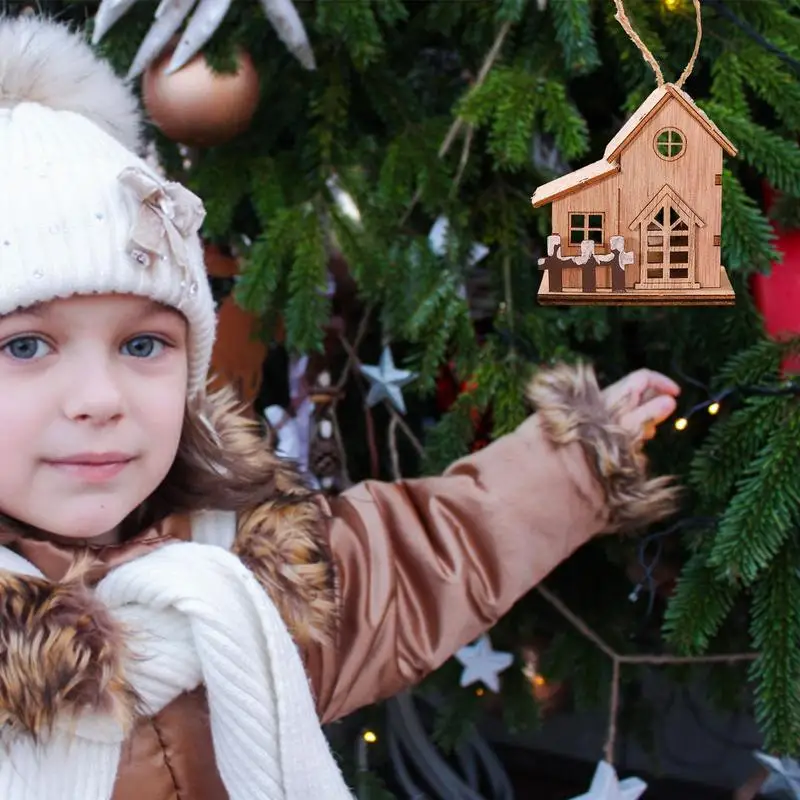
(404, 573)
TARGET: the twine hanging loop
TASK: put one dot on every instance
(622, 17)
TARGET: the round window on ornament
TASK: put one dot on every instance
(670, 144)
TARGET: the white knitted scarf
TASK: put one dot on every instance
(196, 615)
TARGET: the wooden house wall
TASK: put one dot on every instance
(691, 177)
(623, 195)
(603, 196)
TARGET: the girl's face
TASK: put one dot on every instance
(92, 400)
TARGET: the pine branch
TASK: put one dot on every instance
(329, 109)
(775, 157)
(734, 443)
(570, 656)
(512, 102)
(573, 25)
(450, 438)
(433, 324)
(411, 163)
(513, 114)
(560, 118)
(221, 179)
(758, 364)
(759, 21)
(265, 267)
(391, 12)
(747, 238)
(443, 18)
(308, 308)
(511, 10)
(392, 97)
(728, 83)
(497, 382)
(508, 406)
(353, 24)
(555, 334)
(456, 719)
(266, 190)
(698, 607)
(773, 82)
(257, 287)
(764, 511)
(775, 629)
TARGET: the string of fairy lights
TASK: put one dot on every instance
(713, 405)
(722, 9)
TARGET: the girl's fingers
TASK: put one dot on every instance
(647, 416)
(662, 384)
(643, 399)
(639, 387)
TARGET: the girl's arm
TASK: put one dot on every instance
(424, 566)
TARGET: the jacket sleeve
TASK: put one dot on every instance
(425, 566)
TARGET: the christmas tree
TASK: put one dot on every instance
(334, 199)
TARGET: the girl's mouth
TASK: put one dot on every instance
(92, 467)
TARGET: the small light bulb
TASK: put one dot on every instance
(713, 408)
(370, 737)
(672, 5)
(539, 680)
(680, 424)
(479, 692)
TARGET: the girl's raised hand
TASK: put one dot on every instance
(643, 399)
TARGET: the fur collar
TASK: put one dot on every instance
(283, 540)
(61, 652)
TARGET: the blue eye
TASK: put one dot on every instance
(144, 347)
(27, 348)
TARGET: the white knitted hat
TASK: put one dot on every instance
(80, 212)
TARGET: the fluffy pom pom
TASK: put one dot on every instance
(43, 61)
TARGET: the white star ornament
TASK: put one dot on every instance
(607, 786)
(482, 663)
(386, 381)
(784, 777)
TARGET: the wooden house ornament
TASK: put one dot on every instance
(642, 226)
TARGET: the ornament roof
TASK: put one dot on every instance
(609, 164)
(566, 184)
(657, 99)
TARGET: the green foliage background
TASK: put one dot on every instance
(392, 77)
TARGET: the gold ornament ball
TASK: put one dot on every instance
(198, 107)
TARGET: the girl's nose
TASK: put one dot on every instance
(94, 396)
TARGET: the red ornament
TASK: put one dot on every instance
(777, 295)
(448, 388)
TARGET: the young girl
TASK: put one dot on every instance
(178, 613)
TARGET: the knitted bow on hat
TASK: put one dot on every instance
(168, 216)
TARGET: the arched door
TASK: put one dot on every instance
(667, 243)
